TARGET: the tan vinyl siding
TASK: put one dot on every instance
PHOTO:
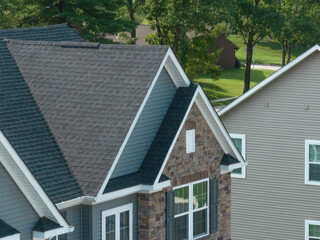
(273, 201)
(15, 209)
(147, 126)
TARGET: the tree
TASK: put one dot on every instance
(253, 20)
(300, 26)
(132, 6)
(177, 22)
(93, 18)
(10, 13)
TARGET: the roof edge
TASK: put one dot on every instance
(35, 28)
(269, 79)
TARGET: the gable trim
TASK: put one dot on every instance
(33, 182)
(269, 80)
(177, 83)
(216, 118)
(12, 237)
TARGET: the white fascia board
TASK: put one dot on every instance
(230, 167)
(168, 55)
(176, 136)
(223, 130)
(268, 80)
(48, 234)
(34, 183)
(12, 237)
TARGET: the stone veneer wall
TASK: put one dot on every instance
(184, 168)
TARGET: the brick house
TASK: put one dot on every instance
(103, 142)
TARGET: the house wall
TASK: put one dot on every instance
(147, 126)
(273, 201)
(73, 217)
(184, 168)
(227, 56)
(15, 209)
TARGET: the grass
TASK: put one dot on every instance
(266, 52)
(230, 83)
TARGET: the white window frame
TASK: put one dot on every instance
(116, 212)
(306, 166)
(306, 228)
(243, 146)
(191, 211)
(191, 134)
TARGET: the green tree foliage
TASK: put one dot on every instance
(92, 18)
(10, 13)
(300, 26)
(176, 23)
(253, 20)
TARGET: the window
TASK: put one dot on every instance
(312, 162)
(191, 210)
(117, 223)
(190, 141)
(312, 230)
(240, 142)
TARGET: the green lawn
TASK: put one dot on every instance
(230, 83)
(266, 51)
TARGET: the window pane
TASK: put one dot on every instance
(237, 171)
(314, 172)
(181, 200)
(200, 222)
(200, 195)
(181, 227)
(238, 143)
(110, 227)
(314, 153)
(314, 231)
(124, 225)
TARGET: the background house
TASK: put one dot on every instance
(227, 57)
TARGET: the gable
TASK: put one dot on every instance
(197, 165)
(15, 209)
(147, 126)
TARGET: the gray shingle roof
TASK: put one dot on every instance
(23, 124)
(227, 160)
(6, 230)
(89, 96)
(45, 224)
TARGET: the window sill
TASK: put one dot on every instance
(314, 183)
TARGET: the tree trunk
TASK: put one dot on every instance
(289, 53)
(176, 40)
(284, 53)
(248, 62)
(131, 15)
(61, 8)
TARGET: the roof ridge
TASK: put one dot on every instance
(34, 28)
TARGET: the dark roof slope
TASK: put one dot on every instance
(89, 96)
(45, 224)
(227, 160)
(160, 146)
(6, 230)
(23, 124)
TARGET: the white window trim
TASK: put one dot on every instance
(306, 228)
(243, 146)
(306, 166)
(116, 212)
(191, 133)
(191, 211)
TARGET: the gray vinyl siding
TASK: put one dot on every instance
(273, 202)
(86, 222)
(147, 126)
(99, 208)
(15, 209)
(74, 219)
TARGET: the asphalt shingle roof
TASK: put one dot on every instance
(160, 146)
(45, 224)
(6, 230)
(23, 124)
(89, 96)
(227, 160)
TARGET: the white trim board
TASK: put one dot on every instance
(183, 81)
(243, 148)
(28, 184)
(307, 162)
(306, 228)
(269, 80)
(12, 237)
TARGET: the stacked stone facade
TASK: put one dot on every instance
(184, 168)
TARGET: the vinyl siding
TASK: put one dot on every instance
(273, 201)
(147, 126)
(99, 208)
(74, 219)
(15, 209)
